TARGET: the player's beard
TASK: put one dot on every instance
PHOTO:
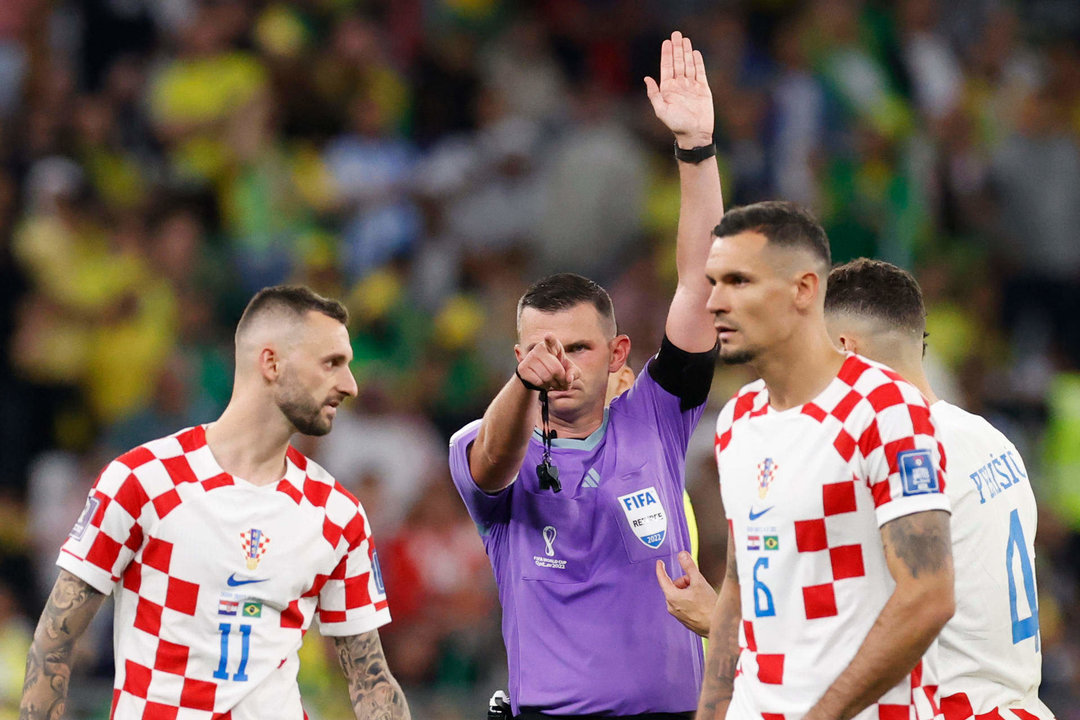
(738, 357)
(299, 409)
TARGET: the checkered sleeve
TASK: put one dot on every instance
(353, 599)
(904, 462)
(108, 532)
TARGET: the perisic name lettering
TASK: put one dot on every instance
(999, 474)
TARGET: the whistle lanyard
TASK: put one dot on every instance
(546, 471)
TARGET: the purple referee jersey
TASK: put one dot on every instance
(584, 620)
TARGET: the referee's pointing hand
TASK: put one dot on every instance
(547, 366)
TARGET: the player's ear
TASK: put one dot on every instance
(847, 343)
(518, 352)
(269, 364)
(619, 352)
(807, 286)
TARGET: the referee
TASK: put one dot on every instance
(576, 503)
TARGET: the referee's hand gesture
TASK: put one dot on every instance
(682, 99)
(547, 367)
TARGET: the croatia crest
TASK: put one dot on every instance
(254, 544)
(645, 513)
(766, 473)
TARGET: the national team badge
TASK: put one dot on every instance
(252, 609)
(753, 542)
(227, 607)
(92, 504)
(917, 472)
(254, 544)
(646, 516)
(771, 542)
(766, 473)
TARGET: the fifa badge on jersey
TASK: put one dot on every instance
(254, 545)
(252, 609)
(766, 473)
(92, 504)
(646, 516)
(917, 472)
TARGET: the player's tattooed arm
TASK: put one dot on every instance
(723, 655)
(375, 694)
(921, 541)
(918, 552)
(71, 606)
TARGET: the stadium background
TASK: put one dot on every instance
(426, 159)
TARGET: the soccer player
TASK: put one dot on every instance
(221, 542)
(572, 524)
(839, 571)
(989, 656)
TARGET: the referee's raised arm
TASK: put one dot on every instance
(683, 102)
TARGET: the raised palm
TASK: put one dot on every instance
(682, 100)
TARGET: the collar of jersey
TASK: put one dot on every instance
(585, 443)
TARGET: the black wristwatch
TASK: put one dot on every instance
(694, 155)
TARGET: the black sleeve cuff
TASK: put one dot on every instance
(685, 375)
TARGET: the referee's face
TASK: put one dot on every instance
(752, 296)
(581, 331)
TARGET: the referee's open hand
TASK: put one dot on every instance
(547, 367)
(681, 97)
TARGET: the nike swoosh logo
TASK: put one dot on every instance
(233, 582)
(756, 515)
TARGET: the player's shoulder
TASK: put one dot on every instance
(879, 385)
(960, 429)
(320, 487)
(175, 445)
(751, 399)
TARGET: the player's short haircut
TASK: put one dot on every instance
(290, 300)
(782, 223)
(563, 291)
(878, 290)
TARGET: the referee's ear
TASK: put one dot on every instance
(619, 352)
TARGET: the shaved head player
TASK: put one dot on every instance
(220, 543)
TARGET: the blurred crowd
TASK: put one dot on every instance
(424, 161)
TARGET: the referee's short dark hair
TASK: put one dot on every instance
(295, 300)
(878, 290)
(563, 291)
(782, 223)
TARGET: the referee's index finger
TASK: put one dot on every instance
(553, 346)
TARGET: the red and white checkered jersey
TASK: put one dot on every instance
(216, 580)
(989, 652)
(805, 491)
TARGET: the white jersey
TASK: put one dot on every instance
(805, 491)
(216, 580)
(989, 652)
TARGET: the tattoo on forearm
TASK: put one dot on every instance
(375, 693)
(723, 656)
(921, 540)
(69, 609)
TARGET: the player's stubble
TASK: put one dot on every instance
(298, 407)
